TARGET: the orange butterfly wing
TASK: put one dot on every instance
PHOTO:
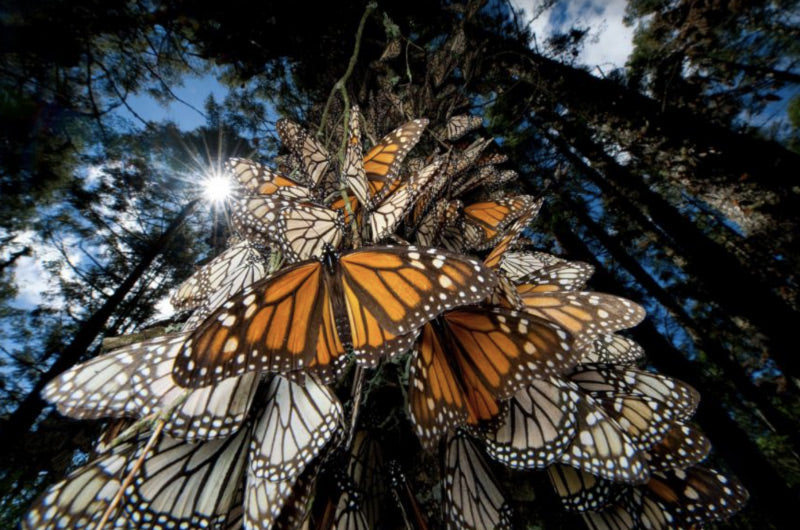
(586, 315)
(390, 294)
(275, 325)
(261, 180)
(436, 399)
(382, 162)
(493, 216)
(484, 356)
(512, 232)
(298, 318)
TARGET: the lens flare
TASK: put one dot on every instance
(217, 187)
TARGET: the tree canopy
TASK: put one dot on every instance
(674, 177)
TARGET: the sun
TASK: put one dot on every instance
(217, 187)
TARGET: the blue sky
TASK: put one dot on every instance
(187, 114)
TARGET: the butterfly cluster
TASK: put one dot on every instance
(249, 416)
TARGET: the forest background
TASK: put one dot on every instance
(666, 135)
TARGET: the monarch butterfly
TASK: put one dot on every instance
(580, 491)
(473, 497)
(386, 216)
(471, 358)
(463, 159)
(310, 154)
(261, 180)
(601, 447)
(548, 274)
(492, 158)
(512, 233)
(300, 230)
(354, 173)
(538, 425)
(458, 126)
(644, 419)
(683, 446)
(612, 349)
(451, 236)
(563, 276)
(203, 413)
(586, 315)
(172, 487)
(486, 221)
(506, 293)
(175, 488)
(426, 200)
(179, 483)
(429, 229)
(135, 381)
(487, 176)
(298, 421)
(373, 177)
(552, 421)
(306, 315)
(303, 230)
(298, 504)
(241, 264)
(278, 505)
(349, 514)
(442, 226)
(517, 264)
(619, 379)
(678, 499)
(98, 388)
(361, 503)
(80, 500)
(189, 294)
(382, 163)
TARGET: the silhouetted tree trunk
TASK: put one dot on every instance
(771, 497)
(23, 418)
(730, 283)
(767, 163)
(704, 338)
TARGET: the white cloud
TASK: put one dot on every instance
(30, 275)
(609, 42)
(164, 309)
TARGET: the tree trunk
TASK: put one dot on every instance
(767, 163)
(732, 285)
(773, 499)
(736, 375)
(23, 418)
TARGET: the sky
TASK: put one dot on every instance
(30, 274)
(609, 42)
(607, 47)
(187, 114)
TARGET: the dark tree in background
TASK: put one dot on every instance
(657, 175)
